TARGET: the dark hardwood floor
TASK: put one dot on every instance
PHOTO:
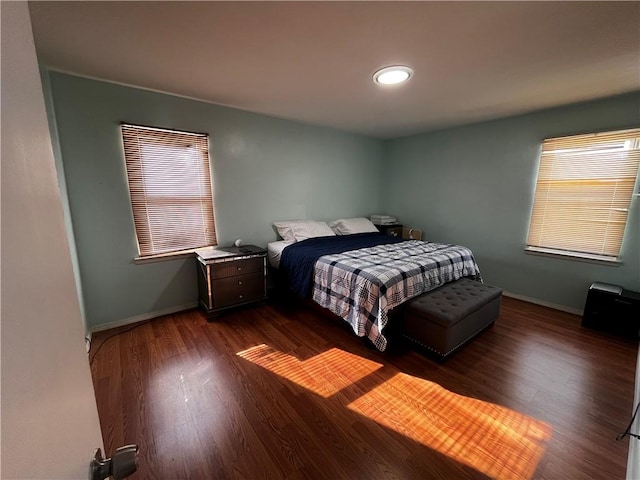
(282, 391)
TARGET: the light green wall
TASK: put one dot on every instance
(471, 185)
(474, 186)
(265, 169)
(62, 185)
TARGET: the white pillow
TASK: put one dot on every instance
(347, 226)
(284, 228)
(302, 231)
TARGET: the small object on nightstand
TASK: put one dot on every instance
(411, 233)
(230, 277)
(387, 224)
(383, 220)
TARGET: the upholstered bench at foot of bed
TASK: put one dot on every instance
(445, 318)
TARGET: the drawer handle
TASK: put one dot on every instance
(239, 296)
(239, 282)
(239, 268)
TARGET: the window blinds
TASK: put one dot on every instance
(170, 188)
(583, 192)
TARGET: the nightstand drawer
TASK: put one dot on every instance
(237, 267)
(236, 277)
(237, 289)
(394, 230)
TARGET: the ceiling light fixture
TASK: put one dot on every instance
(392, 75)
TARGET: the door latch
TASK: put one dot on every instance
(123, 463)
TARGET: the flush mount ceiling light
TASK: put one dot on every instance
(392, 75)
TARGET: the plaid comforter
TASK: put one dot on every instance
(361, 286)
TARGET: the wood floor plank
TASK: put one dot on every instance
(282, 391)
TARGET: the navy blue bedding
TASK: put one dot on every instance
(298, 260)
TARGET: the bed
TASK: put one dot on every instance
(361, 277)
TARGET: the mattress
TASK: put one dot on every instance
(274, 252)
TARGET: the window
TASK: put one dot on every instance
(583, 193)
(170, 188)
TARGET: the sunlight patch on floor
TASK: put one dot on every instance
(324, 374)
(494, 440)
(499, 442)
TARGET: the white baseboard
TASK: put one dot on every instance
(544, 303)
(143, 317)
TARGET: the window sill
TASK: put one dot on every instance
(163, 257)
(579, 257)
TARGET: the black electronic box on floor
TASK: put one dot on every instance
(612, 309)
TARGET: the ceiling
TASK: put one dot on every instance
(313, 61)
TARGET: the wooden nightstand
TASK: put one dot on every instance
(230, 277)
(393, 230)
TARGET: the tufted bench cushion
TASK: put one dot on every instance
(445, 318)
